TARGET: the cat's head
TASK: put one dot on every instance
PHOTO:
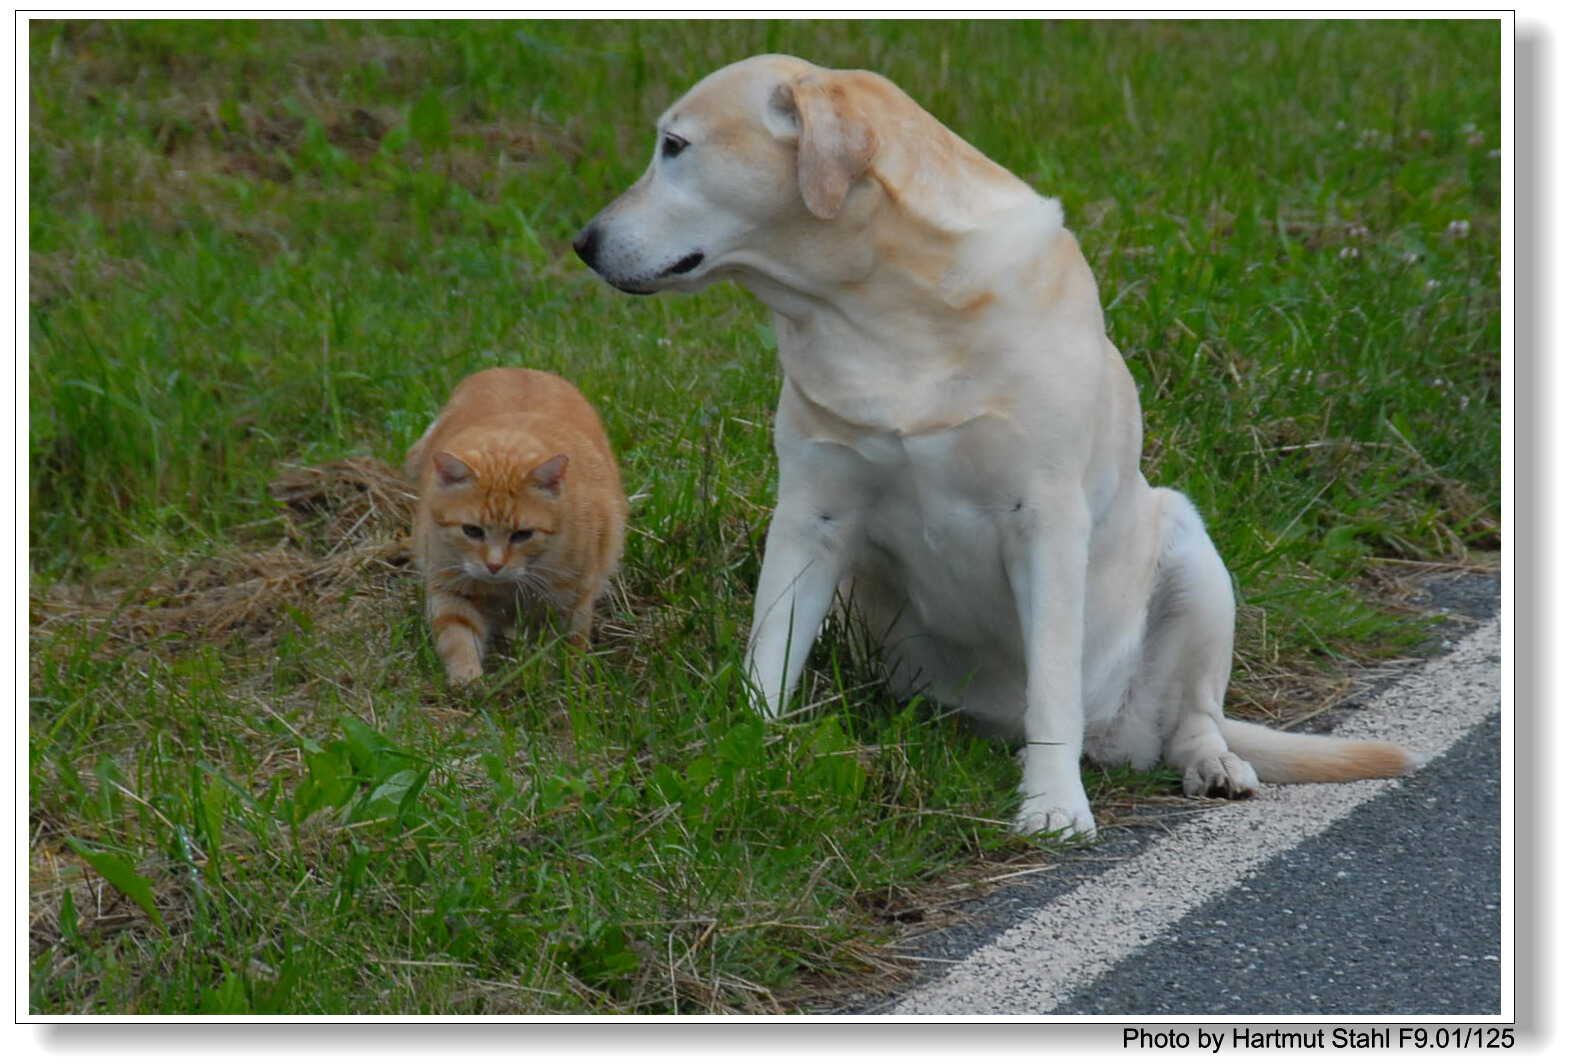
(496, 513)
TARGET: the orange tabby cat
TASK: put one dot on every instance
(521, 506)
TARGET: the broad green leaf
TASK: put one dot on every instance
(743, 744)
(123, 878)
(68, 919)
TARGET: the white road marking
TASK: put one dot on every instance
(1037, 964)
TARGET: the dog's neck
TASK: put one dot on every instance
(899, 337)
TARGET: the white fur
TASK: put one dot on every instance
(958, 441)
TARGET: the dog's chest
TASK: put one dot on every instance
(939, 513)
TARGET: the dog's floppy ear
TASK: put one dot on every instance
(835, 146)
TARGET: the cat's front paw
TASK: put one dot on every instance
(461, 673)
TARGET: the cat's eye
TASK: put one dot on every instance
(672, 145)
(473, 531)
(521, 535)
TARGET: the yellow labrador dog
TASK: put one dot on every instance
(958, 441)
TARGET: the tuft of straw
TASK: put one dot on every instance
(347, 535)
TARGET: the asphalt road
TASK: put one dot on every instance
(1392, 911)
(1379, 898)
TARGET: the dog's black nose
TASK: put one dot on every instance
(586, 243)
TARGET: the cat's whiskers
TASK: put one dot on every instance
(531, 581)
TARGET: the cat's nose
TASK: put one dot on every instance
(493, 567)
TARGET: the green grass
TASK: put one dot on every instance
(257, 243)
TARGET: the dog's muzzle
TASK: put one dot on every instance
(588, 246)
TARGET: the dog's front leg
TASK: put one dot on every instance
(805, 553)
(1046, 554)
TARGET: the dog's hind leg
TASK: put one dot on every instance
(1186, 657)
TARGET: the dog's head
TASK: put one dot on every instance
(753, 169)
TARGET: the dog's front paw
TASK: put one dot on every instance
(1220, 777)
(1042, 816)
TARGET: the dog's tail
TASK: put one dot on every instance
(1290, 757)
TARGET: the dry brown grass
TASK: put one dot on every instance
(346, 538)
(1285, 688)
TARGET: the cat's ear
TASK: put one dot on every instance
(451, 469)
(548, 476)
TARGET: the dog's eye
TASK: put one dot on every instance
(672, 145)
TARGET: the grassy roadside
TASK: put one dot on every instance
(261, 248)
